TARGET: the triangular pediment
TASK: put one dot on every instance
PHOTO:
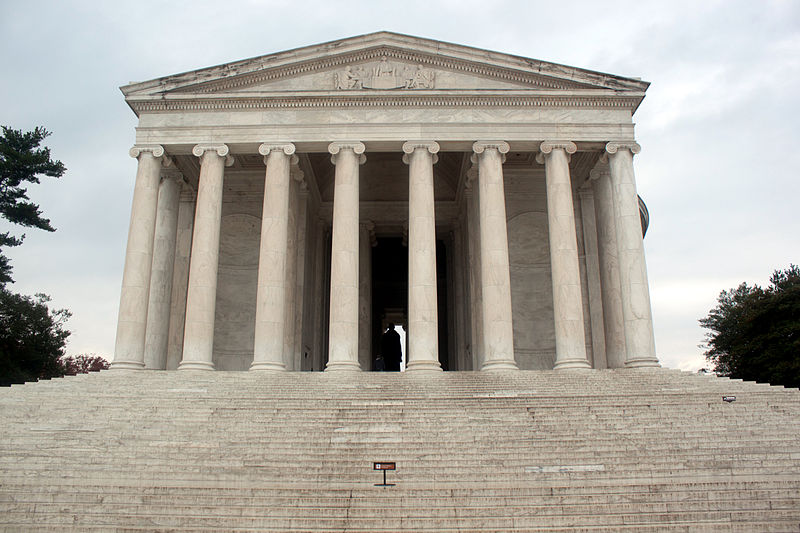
(410, 63)
(373, 64)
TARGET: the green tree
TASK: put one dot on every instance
(83, 364)
(754, 333)
(32, 338)
(22, 161)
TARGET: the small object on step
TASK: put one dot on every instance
(384, 466)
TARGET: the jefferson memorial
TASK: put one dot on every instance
(288, 207)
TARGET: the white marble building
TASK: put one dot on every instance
(287, 207)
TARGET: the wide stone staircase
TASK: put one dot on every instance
(625, 450)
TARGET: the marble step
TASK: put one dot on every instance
(255, 519)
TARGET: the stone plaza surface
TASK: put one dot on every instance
(601, 450)
(268, 189)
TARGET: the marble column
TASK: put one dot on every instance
(423, 332)
(319, 294)
(473, 265)
(343, 329)
(132, 323)
(301, 291)
(201, 299)
(459, 289)
(180, 276)
(158, 312)
(613, 322)
(593, 284)
(498, 328)
(634, 289)
(565, 270)
(271, 291)
(289, 353)
(365, 243)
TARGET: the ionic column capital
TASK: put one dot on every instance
(547, 147)
(614, 146)
(267, 148)
(220, 149)
(156, 149)
(431, 146)
(287, 148)
(357, 147)
(481, 146)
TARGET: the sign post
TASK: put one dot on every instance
(384, 466)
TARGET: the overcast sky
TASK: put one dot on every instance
(718, 128)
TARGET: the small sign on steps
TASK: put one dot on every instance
(384, 466)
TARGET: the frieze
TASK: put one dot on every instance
(408, 99)
(384, 75)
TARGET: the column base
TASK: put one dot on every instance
(342, 366)
(268, 366)
(126, 365)
(495, 366)
(195, 365)
(643, 362)
(572, 364)
(424, 366)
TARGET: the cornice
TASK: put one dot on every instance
(380, 99)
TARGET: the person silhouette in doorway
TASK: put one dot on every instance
(390, 349)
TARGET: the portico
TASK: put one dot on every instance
(264, 187)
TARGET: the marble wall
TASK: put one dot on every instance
(240, 235)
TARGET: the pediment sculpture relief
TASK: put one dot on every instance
(384, 75)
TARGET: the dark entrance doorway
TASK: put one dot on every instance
(390, 292)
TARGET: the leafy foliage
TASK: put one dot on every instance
(83, 364)
(32, 338)
(755, 333)
(22, 161)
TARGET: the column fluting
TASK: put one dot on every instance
(198, 336)
(423, 333)
(613, 322)
(180, 275)
(166, 230)
(594, 292)
(634, 289)
(268, 345)
(498, 327)
(564, 266)
(132, 322)
(365, 242)
(343, 328)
